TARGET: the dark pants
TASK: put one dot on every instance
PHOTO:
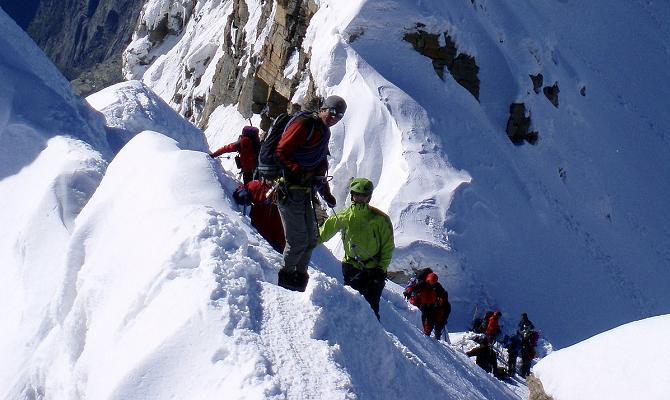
(297, 217)
(511, 362)
(370, 283)
(527, 355)
(434, 317)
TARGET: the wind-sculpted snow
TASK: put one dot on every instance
(131, 107)
(36, 103)
(168, 292)
(551, 229)
(39, 206)
(624, 363)
(52, 149)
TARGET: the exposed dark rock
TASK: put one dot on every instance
(160, 31)
(537, 80)
(354, 35)
(461, 66)
(98, 77)
(551, 93)
(264, 89)
(518, 125)
(85, 38)
(582, 91)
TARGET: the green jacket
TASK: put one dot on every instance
(367, 235)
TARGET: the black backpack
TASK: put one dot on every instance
(416, 282)
(268, 164)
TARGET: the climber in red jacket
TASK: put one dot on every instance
(247, 147)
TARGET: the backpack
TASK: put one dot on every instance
(268, 164)
(252, 133)
(417, 280)
(529, 337)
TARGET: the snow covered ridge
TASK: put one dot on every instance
(625, 363)
(131, 107)
(138, 279)
(168, 292)
(551, 229)
(30, 82)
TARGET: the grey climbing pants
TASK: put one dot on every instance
(300, 228)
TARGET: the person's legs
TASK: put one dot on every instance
(511, 363)
(349, 272)
(369, 286)
(311, 231)
(373, 290)
(292, 210)
(426, 323)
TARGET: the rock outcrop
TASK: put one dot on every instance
(85, 38)
(257, 67)
(461, 66)
(268, 86)
(518, 125)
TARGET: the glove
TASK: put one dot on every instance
(330, 200)
(211, 155)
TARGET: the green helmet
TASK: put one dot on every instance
(361, 186)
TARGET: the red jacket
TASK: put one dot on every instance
(246, 148)
(265, 215)
(301, 156)
(493, 327)
(427, 295)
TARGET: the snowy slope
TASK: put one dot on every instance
(138, 279)
(624, 363)
(168, 292)
(551, 229)
(131, 107)
(51, 160)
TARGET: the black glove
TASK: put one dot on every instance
(330, 200)
(376, 274)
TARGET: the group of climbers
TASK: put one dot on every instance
(291, 165)
(282, 175)
(522, 342)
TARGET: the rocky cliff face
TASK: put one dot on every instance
(85, 38)
(256, 61)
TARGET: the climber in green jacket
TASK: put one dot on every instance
(367, 236)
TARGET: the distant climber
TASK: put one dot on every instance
(493, 326)
(433, 300)
(480, 324)
(302, 152)
(513, 345)
(529, 337)
(525, 324)
(247, 147)
(485, 355)
(367, 237)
